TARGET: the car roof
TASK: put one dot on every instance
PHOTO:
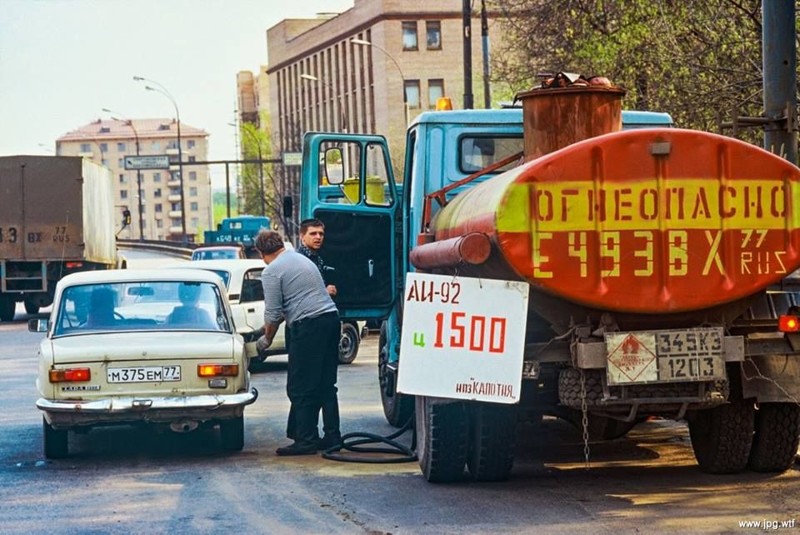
(133, 275)
(217, 247)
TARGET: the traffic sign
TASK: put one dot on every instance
(292, 158)
(159, 161)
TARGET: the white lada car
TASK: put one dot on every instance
(141, 346)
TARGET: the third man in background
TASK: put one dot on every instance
(312, 235)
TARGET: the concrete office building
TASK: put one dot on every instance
(108, 141)
(406, 54)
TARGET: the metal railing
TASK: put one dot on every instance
(177, 249)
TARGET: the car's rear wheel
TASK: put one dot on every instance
(231, 434)
(7, 306)
(348, 343)
(56, 441)
(31, 307)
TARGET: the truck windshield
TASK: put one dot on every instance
(477, 152)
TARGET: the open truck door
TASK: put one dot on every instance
(348, 184)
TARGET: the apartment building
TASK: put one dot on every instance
(153, 196)
(370, 69)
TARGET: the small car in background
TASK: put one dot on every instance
(242, 278)
(141, 347)
(218, 252)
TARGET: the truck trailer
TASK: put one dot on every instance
(657, 265)
(56, 218)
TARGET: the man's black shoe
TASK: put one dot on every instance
(297, 449)
(329, 441)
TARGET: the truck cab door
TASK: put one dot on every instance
(348, 183)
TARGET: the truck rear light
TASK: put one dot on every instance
(74, 265)
(788, 323)
(217, 370)
(70, 375)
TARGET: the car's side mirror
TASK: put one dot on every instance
(38, 325)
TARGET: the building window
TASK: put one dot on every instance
(174, 206)
(120, 162)
(120, 147)
(193, 207)
(103, 162)
(123, 194)
(410, 36)
(156, 177)
(160, 224)
(157, 193)
(433, 33)
(193, 191)
(412, 93)
(123, 179)
(144, 222)
(192, 175)
(195, 222)
(435, 91)
(159, 208)
(103, 147)
(190, 144)
(155, 146)
(85, 147)
(192, 158)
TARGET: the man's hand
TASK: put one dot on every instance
(262, 344)
(331, 290)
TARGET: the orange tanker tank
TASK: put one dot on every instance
(652, 221)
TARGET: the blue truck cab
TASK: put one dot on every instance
(373, 217)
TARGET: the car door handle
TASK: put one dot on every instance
(371, 267)
(251, 309)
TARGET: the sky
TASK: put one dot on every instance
(63, 61)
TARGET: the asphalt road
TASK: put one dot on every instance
(122, 480)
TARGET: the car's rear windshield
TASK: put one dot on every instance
(141, 305)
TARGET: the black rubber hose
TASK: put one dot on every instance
(355, 442)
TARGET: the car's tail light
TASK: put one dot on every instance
(70, 375)
(74, 265)
(789, 323)
(217, 370)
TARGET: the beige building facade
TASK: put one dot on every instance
(158, 216)
(370, 69)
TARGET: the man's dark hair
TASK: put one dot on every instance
(312, 222)
(268, 241)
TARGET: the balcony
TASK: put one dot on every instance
(175, 213)
(174, 183)
(171, 151)
(174, 197)
(176, 230)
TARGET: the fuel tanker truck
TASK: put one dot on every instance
(571, 259)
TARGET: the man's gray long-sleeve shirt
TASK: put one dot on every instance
(293, 289)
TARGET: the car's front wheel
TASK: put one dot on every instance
(56, 441)
(231, 434)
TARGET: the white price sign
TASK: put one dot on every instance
(463, 338)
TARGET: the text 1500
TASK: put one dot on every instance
(475, 332)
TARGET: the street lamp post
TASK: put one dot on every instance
(362, 42)
(129, 122)
(260, 168)
(163, 90)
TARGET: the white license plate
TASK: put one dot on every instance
(144, 374)
(665, 356)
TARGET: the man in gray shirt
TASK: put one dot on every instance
(294, 291)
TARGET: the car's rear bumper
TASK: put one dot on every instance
(135, 409)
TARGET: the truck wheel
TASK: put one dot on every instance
(31, 307)
(777, 437)
(7, 308)
(56, 441)
(601, 427)
(231, 434)
(441, 439)
(492, 433)
(348, 343)
(397, 408)
(722, 437)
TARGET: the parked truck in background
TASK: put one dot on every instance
(657, 262)
(56, 218)
(238, 230)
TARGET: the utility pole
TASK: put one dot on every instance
(487, 96)
(780, 78)
(466, 16)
